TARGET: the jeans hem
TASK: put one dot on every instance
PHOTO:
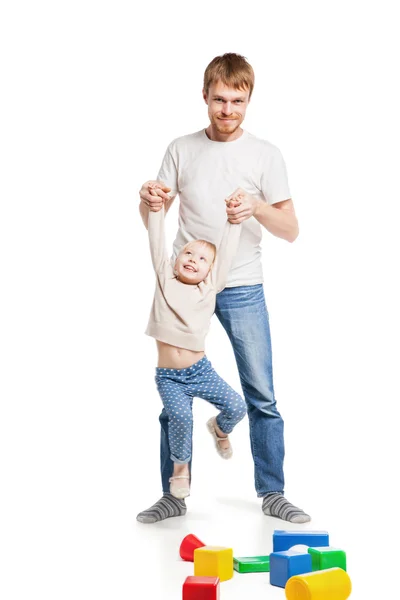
(263, 494)
(180, 462)
(224, 429)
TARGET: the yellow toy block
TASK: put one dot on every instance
(213, 561)
(329, 584)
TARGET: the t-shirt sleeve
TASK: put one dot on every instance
(226, 252)
(274, 179)
(168, 172)
(156, 231)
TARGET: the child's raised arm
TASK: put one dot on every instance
(156, 232)
(226, 253)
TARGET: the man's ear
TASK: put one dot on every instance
(205, 96)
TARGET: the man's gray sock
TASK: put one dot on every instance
(168, 506)
(276, 505)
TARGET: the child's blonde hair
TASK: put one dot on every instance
(205, 243)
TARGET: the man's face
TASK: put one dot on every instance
(193, 263)
(226, 107)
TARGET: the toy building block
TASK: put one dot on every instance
(300, 548)
(214, 561)
(188, 546)
(330, 584)
(284, 540)
(286, 564)
(326, 558)
(251, 564)
(200, 588)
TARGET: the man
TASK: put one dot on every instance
(205, 168)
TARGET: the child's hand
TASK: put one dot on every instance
(153, 194)
(232, 202)
(153, 187)
(247, 206)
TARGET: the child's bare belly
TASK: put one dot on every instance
(172, 357)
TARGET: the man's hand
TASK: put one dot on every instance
(153, 194)
(245, 206)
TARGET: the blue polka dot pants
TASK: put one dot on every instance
(178, 387)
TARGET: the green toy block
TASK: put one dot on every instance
(326, 557)
(251, 564)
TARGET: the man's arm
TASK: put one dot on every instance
(276, 213)
(279, 218)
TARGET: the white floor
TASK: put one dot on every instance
(68, 518)
(223, 510)
(239, 523)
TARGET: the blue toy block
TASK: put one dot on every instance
(284, 540)
(283, 565)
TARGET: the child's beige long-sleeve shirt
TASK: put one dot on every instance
(181, 312)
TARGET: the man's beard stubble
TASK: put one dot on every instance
(224, 128)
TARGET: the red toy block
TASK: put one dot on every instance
(188, 546)
(200, 588)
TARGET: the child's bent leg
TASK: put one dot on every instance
(215, 390)
(231, 405)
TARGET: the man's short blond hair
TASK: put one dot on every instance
(231, 69)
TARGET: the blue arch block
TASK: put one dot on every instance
(284, 540)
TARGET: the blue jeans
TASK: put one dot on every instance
(178, 387)
(243, 314)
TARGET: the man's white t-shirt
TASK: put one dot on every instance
(204, 173)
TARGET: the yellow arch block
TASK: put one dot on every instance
(213, 561)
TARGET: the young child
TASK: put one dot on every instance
(184, 302)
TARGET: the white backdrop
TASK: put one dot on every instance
(92, 93)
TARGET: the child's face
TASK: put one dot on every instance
(193, 263)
